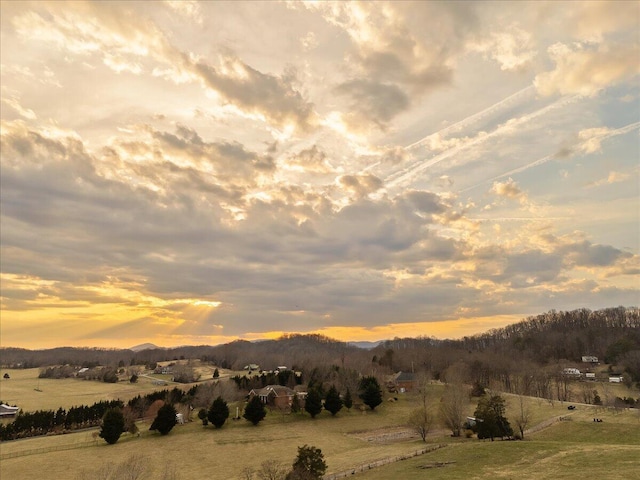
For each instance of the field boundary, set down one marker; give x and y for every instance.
(548, 423)
(54, 448)
(363, 467)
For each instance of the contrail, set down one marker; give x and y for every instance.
(545, 159)
(412, 171)
(465, 122)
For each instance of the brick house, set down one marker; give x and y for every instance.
(276, 396)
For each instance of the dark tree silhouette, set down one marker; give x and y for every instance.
(333, 402)
(218, 412)
(165, 419)
(490, 419)
(202, 415)
(254, 411)
(112, 425)
(348, 401)
(313, 403)
(309, 464)
(370, 392)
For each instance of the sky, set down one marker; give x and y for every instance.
(189, 173)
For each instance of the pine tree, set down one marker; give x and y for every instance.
(165, 419)
(254, 411)
(370, 392)
(309, 464)
(112, 425)
(490, 419)
(333, 402)
(313, 402)
(218, 413)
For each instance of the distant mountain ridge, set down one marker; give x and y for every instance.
(543, 341)
(144, 346)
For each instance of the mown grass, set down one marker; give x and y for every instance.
(570, 449)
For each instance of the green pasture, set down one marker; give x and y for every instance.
(570, 449)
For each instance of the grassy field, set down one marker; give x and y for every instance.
(351, 439)
(572, 449)
(29, 392)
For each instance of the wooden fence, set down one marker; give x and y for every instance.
(378, 463)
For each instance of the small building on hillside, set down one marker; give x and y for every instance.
(589, 359)
(613, 378)
(590, 376)
(571, 372)
(8, 410)
(276, 396)
(403, 382)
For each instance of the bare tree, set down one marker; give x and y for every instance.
(454, 400)
(523, 416)
(421, 421)
(134, 467)
(272, 470)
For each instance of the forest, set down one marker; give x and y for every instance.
(523, 357)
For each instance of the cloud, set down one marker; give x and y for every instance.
(360, 185)
(582, 69)
(388, 49)
(613, 177)
(271, 96)
(127, 43)
(512, 48)
(372, 102)
(508, 189)
(310, 160)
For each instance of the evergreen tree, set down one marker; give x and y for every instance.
(202, 415)
(295, 404)
(309, 464)
(218, 413)
(333, 402)
(254, 411)
(216, 373)
(490, 419)
(370, 392)
(313, 402)
(112, 425)
(165, 419)
(348, 401)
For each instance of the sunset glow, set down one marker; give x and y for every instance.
(199, 172)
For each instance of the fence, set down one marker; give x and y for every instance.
(53, 448)
(378, 463)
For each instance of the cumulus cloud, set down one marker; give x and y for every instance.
(513, 48)
(312, 160)
(584, 70)
(509, 189)
(271, 96)
(360, 185)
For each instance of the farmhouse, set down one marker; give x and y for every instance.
(8, 411)
(571, 372)
(615, 378)
(402, 382)
(276, 396)
(589, 359)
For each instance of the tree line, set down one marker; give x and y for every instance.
(41, 422)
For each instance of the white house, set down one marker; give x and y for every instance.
(589, 359)
(8, 410)
(571, 371)
(615, 379)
